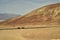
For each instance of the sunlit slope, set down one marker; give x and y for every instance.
(47, 15)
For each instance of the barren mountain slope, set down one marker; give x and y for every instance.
(47, 15)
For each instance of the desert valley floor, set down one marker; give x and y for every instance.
(30, 34)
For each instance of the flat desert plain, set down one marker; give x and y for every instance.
(31, 34)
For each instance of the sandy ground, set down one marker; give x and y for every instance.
(31, 34)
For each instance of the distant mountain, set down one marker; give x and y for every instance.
(7, 16)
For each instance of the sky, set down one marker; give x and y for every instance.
(22, 7)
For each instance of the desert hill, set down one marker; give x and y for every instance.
(47, 15)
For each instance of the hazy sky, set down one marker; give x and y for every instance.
(22, 6)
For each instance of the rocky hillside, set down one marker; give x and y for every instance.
(47, 15)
